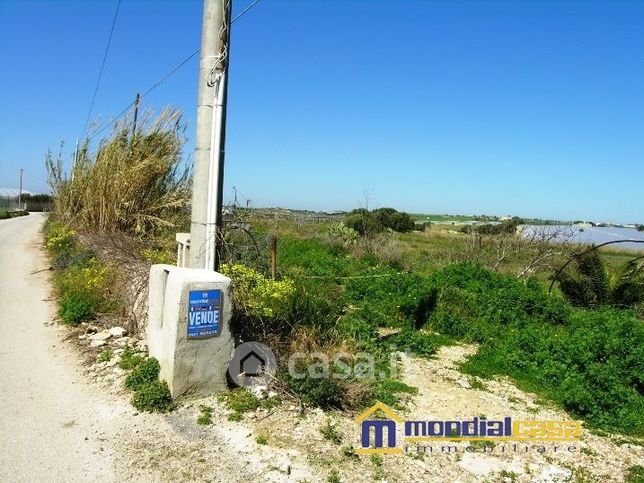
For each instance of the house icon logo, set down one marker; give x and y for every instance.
(378, 435)
(251, 363)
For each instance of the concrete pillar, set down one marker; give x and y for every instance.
(188, 328)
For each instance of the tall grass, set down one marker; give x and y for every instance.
(130, 183)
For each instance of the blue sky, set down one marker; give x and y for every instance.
(523, 107)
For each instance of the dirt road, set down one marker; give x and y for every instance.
(58, 424)
(48, 419)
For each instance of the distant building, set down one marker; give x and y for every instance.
(9, 198)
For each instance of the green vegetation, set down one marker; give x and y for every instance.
(586, 361)
(349, 452)
(334, 477)
(205, 418)
(635, 474)
(157, 255)
(367, 222)
(4, 214)
(261, 439)
(105, 356)
(153, 397)
(331, 433)
(130, 359)
(150, 394)
(241, 400)
(589, 361)
(83, 283)
(481, 444)
(589, 284)
(144, 373)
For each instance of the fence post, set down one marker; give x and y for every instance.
(274, 256)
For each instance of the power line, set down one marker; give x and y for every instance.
(100, 73)
(164, 78)
(245, 10)
(161, 80)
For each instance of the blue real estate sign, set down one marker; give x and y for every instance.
(204, 311)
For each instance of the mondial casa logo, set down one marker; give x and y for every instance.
(380, 435)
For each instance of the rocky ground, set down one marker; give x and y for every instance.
(174, 447)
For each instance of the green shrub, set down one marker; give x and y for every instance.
(418, 343)
(257, 295)
(320, 392)
(153, 397)
(334, 477)
(4, 214)
(85, 290)
(368, 223)
(146, 372)
(591, 362)
(130, 359)
(345, 235)
(588, 283)
(74, 308)
(59, 237)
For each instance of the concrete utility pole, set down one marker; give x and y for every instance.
(207, 190)
(136, 113)
(20, 191)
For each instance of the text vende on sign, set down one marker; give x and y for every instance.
(204, 310)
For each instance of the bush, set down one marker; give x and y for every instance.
(394, 220)
(145, 373)
(153, 397)
(85, 290)
(59, 238)
(257, 295)
(345, 235)
(368, 223)
(320, 392)
(591, 362)
(74, 309)
(4, 214)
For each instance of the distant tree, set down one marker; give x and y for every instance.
(37, 198)
(368, 222)
(363, 221)
(396, 220)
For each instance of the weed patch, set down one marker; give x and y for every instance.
(241, 400)
(145, 373)
(153, 397)
(205, 418)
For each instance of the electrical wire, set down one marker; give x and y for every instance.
(164, 78)
(244, 11)
(100, 73)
